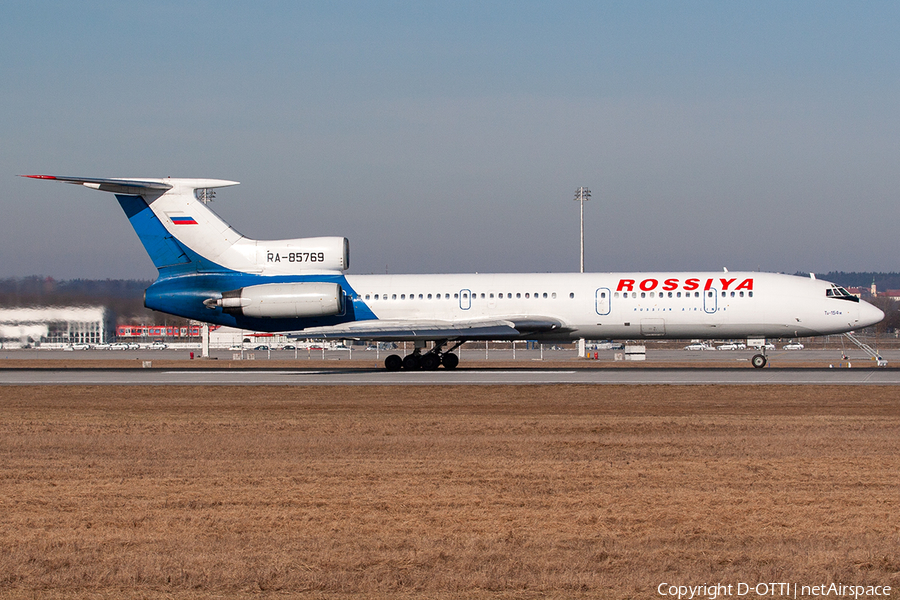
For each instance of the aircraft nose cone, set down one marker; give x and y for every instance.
(869, 315)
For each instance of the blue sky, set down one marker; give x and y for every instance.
(450, 137)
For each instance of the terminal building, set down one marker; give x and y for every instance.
(25, 327)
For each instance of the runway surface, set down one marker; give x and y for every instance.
(468, 376)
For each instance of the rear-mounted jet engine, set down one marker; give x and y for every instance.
(282, 300)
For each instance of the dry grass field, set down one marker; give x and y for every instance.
(450, 492)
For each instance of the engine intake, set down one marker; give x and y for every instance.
(282, 300)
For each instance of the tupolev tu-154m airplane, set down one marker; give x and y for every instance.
(209, 272)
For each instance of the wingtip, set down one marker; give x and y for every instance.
(38, 176)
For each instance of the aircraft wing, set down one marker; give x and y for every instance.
(387, 330)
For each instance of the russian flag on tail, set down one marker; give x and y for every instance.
(183, 221)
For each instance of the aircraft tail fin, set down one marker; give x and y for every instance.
(157, 208)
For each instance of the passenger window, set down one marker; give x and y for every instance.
(742, 294)
(420, 297)
(678, 294)
(376, 296)
(429, 296)
(616, 295)
(670, 294)
(571, 294)
(367, 296)
(393, 296)
(518, 295)
(403, 296)
(732, 294)
(603, 294)
(643, 294)
(750, 294)
(724, 294)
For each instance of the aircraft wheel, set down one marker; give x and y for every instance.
(430, 362)
(393, 363)
(450, 360)
(758, 361)
(411, 362)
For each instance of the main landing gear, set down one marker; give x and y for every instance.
(428, 361)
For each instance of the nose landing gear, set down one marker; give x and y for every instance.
(759, 361)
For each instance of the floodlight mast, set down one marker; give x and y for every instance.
(582, 194)
(205, 195)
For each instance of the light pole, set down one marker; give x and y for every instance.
(582, 194)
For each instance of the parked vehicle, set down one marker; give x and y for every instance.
(793, 346)
(697, 347)
(727, 347)
(768, 346)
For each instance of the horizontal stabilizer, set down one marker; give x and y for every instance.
(117, 186)
(138, 187)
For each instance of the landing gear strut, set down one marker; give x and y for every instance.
(429, 361)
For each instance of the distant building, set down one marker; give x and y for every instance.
(56, 325)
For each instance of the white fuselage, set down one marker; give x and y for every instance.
(623, 305)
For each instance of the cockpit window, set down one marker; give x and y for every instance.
(836, 291)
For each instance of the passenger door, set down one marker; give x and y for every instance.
(601, 301)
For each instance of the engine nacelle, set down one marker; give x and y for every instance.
(283, 300)
(305, 254)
